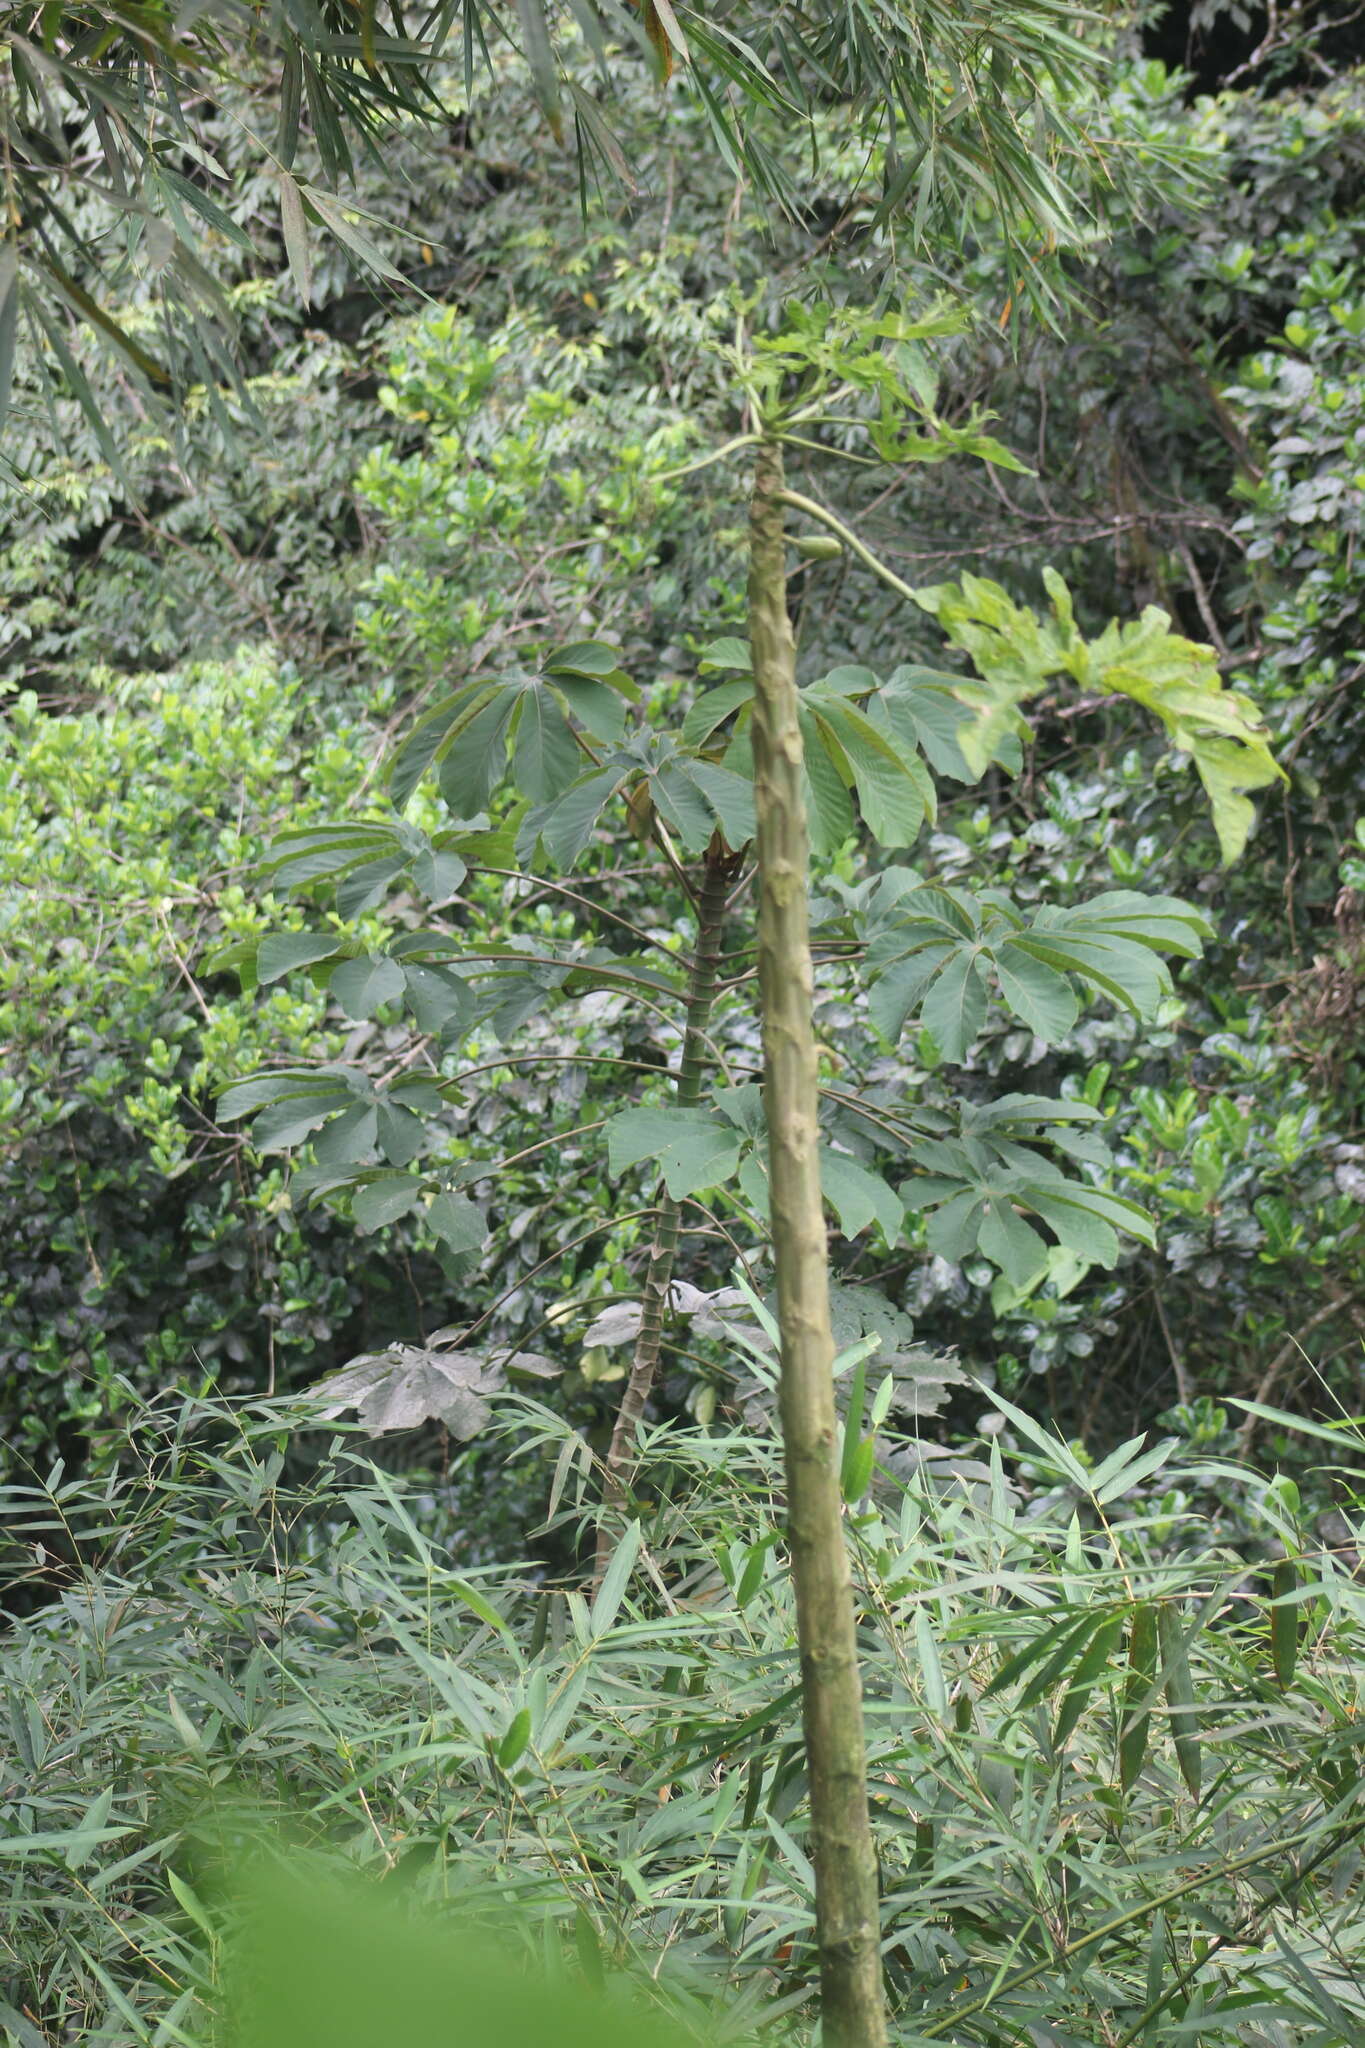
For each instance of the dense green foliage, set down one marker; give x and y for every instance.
(1171, 434)
(291, 1077)
(1079, 1834)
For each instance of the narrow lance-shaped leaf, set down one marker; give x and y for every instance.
(1136, 1721)
(1180, 1696)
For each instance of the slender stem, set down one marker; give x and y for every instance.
(668, 476)
(718, 878)
(853, 2012)
(545, 883)
(813, 510)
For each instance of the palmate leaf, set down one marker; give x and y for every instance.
(859, 1196)
(1017, 654)
(862, 738)
(364, 860)
(990, 1189)
(530, 725)
(339, 1108)
(894, 789)
(934, 952)
(921, 708)
(407, 1385)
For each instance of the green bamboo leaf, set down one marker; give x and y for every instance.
(1086, 1678)
(540, 58)
(1285, 1617)
(192, 1904)
(1180, 1695)
(1044, 1643)
(930, 1667)
(24, 2032)
(9, 321)
(851, 1462)
(295, 224)
(612, 1591)
(515, 1742)
(1136, 1721)
(333, 215)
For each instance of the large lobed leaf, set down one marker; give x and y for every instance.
(936, 953)
(1017, 654)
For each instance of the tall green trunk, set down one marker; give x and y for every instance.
(718, 877)
(844, 1854)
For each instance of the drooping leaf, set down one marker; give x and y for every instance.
(1285, 1621)
(858, 1196)
(458, 1222)
(408, 1385)
(1016, 655)
(1136, 1720)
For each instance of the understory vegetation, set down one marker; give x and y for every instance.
(395, 1336)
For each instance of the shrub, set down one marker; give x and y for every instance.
(143, 1247)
